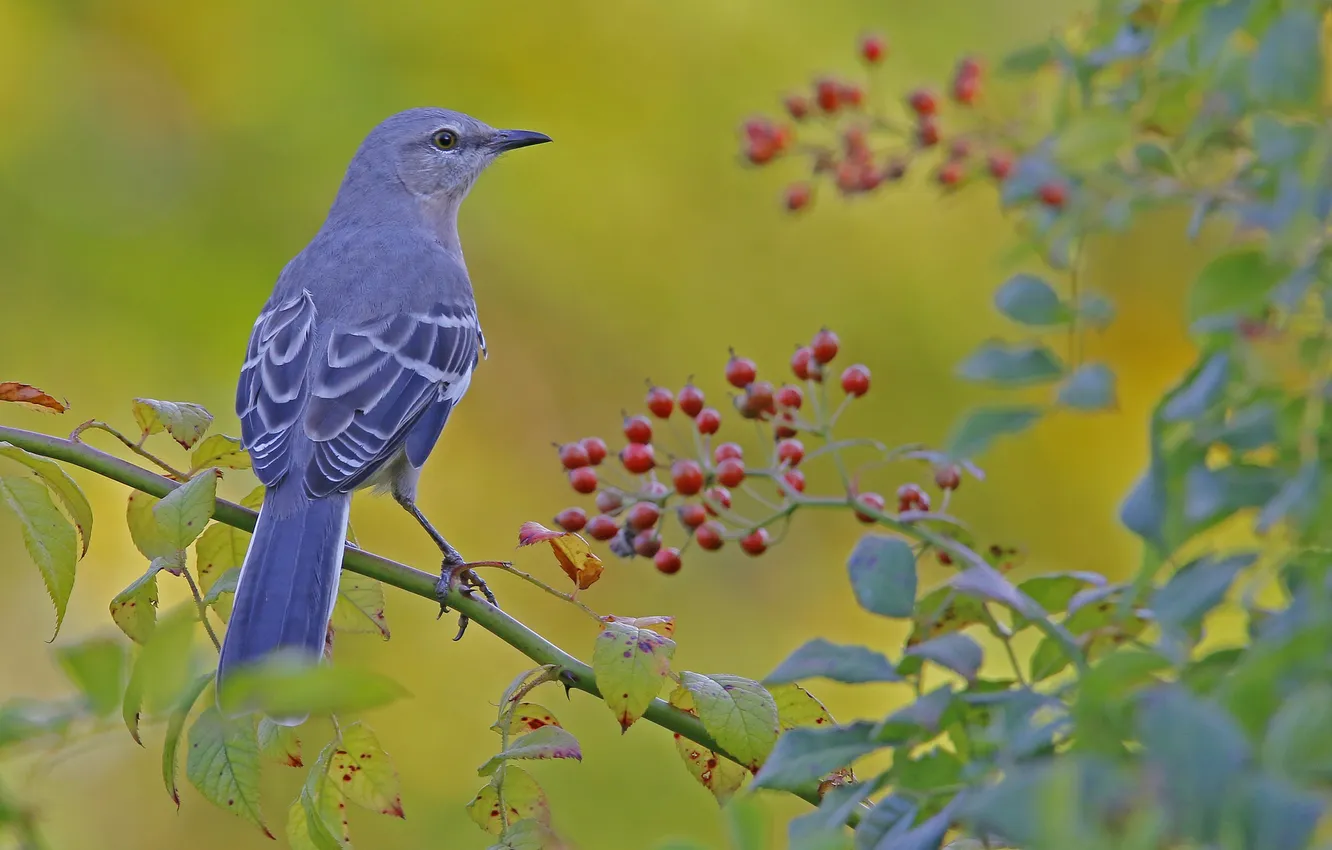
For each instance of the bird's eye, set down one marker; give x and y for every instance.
(445, 140)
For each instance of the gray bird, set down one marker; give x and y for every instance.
(365, 347)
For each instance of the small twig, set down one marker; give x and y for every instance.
(203, 608)
(137, 448)
(531, 579)
(1013, 659)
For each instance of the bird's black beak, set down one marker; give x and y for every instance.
(508, 140)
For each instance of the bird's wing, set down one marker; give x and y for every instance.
(376, 380)
(273, 387)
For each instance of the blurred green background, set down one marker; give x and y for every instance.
(160, 163)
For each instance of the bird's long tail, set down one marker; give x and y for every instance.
(288, 583)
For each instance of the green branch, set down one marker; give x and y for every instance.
(576, 674)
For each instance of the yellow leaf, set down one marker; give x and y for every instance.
(528, 717)
(219, 549)
(719, 775)
(798, 707)
(185, 422)
(221, 451)
(364, 773)
(664, 626)
(571, 550)
(523, 798)
(359, 608)
(144, 531)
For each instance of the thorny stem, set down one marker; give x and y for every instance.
(203, 609)
(576, 674)
(136, 447)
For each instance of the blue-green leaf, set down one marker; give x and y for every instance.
(807, 754)
(1287, 69)
(1091, 387)
(981, 427)
(883, 575)
(1013, 365)
(821, 658)
(1027, 299)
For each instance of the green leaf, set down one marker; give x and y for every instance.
(737, 712)
(48, 536)
(279, 743)
(185, 511)
(1027, 60)
(1029, 300)
(747, 824)
(219, 550)
(1049, 658)
(134, 609)
(883, 575)
(982, 426)
(223, 764)
(162, 668)
(1011, 364)
(798, 707)
(1234, 285)
(630, 665)
(360, 606)
(53, 475)
(175, 726)
(807, 754)
(548, 742)
(957, 652)
(1092, 138)
(1298, 745)
(1287, 69)
(721, 776)
(820, 658)
(289, 686)
(24, 719)
(144, 530)
(97, 668)
(1196, 588)
(185, 422)
(529, 834)
(364, 773)
(219, 451)
(523, 798)
(1054, 591)
(1095, 311)
(1091, 387)
(318, 818)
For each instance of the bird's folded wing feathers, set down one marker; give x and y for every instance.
(361, 395)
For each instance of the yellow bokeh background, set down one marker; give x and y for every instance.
(160, 163)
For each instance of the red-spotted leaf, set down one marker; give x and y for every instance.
(148, 537)
(798, 707)
(318, 818)
(184, 512)
(527, 717)
(630, 664)
(721, 776)
(738, 712)
(364, 773)
(185, 422)
(223, 764)
(571, 550)
(548, 742)
(220, 451)
(360, 606)
(219, 550)
(279, 743)
(523, 798)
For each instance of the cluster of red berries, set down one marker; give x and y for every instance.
(854, 165)
(628, 516)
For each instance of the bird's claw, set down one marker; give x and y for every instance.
(455, 570)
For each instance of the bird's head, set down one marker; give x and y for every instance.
(436, 153)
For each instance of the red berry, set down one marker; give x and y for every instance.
(638, 458)
(692, 515)
(655, 491)
(959, 149)
(583, 479)
(927, 132)
(969, 66)
(923, 102)
(795, 479)
(911, 497)
(643, 515)
(731, 472)
(947, 478)
(571, 519)
(708, 420)
(965, 89)
(790, 452)
(660, 402)
(856, 380)
(1052, 194)
(797, 196)
(759, 396)
(872, 48)
(873, 501)
(756, 543)
(637, 429)
(716, 496)
(824, 346)
(608, 501)
(895, 169)
(784, 426)
(797, 106)
(949, 174)
(574, 455)
(667, 561)
(595, 448)
(727, 450)
(790, 396)
(851, 94)
(740, 371)
(602, 527)
(687, 476)
(804, 366)
(1000, 165)
(945, 558)
(690, 400)
(647, 543)
(828, 93)
(709, 536)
